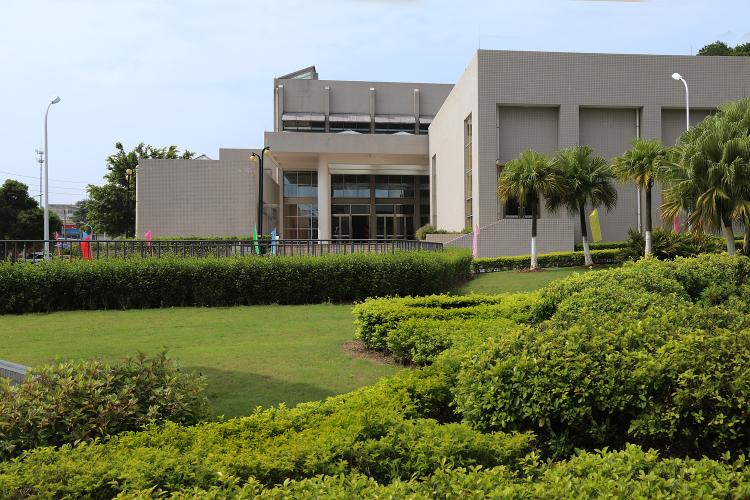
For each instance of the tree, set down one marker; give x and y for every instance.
(81, 213)
(586, 179)
(642, 164)
(528, 179)
(722, 49)
(716, 49)
(710, 175)
(111, 207)
(20, 215)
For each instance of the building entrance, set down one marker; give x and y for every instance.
(361, 227)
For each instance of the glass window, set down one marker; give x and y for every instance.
(467, 173)
(303, 126)
(392, 128)
(423, 128)
(394, 186)
(301, 221)
(300, 184)
(350, 186)
(361, 127)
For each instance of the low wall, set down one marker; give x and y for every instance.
(509, 237)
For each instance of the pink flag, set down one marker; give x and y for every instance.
(475, 242)
(147, 235)
(676, 225)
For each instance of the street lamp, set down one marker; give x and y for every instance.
(53, 100)
(129, 173)
(679, 77)
(259, 159)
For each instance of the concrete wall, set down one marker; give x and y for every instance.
(447, 148)
(577, 84)
(513, 237)
(352, 97)
(202, 197)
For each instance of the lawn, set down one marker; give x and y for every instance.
(515, 281)
(259, 355)
(251, 356)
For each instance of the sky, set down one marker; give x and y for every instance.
(199, 74)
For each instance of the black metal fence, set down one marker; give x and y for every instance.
(33, 250)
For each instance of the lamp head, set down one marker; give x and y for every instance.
(253, 157)
(54, 99)
(677, 76)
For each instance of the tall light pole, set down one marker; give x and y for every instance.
(53, 100)
(129, 174)
(679, 77)
(259, 159)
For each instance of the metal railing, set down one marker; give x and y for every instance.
(33, 250)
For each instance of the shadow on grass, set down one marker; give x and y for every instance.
(237, 393)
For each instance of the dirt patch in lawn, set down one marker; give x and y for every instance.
(358, 350)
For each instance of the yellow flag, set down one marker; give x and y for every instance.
(596, 230)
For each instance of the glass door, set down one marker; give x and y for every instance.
(341, 227)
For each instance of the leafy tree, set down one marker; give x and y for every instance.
(111, 207)
(716, 49)
(81, 213)
(587, 179)
(710, 178)
(642, 164)
(20, 215)
(528, 179)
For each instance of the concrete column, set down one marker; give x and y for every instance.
(324, 199)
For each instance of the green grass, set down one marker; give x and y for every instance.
(259, 355)
(251, 356)
(515, 281)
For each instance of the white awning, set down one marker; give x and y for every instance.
(349, 118)
(304, 117)
(425, 119)
(395, 119)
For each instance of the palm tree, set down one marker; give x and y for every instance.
(527, 179)
(586, 179)
(710, 176)
(643, 163)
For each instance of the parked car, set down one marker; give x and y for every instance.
(35, 257)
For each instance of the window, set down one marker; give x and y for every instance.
(300, 184)
(301, 221)
(512, 209)
(423, 182)
(350, 186)
(467, 174)
(303, 122)
(394, 186)
(423, 128)
(361, 127)
(392, 128)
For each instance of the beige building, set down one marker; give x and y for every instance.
(379, 159)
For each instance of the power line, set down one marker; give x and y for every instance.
(37, 177)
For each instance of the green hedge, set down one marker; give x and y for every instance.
(167, 282)
(655, 353)
(556, 259)
(376, 318)
(602, 245)
(421, 340)
(80, 401)
(630, 473)
(375, 431)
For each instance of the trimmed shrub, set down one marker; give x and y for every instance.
(228, 281)
(422, 232)
(631, 473)
(668, 245)
(81, 401)
(626, 356)
(602, 245)
(557, 259)
(375, 318)
(421, 340)
(373, 431)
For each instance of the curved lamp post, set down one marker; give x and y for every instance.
(259, 159)
(53, 100)
(679, 77)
